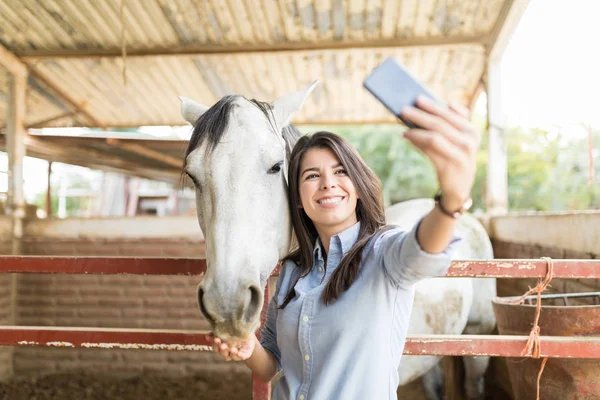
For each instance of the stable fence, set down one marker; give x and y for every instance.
(147, 339)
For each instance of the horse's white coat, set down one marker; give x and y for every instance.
(242, 210)
(244, 215)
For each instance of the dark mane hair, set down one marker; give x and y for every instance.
(369, 212)
(211, 125)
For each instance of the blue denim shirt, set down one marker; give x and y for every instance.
(350, 349)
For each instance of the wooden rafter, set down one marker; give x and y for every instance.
(508, 19)
(506, 24)
(19, 67)
(95, 159)
(12, 63)
(283, 46)
(45, 122)
(79, 106)
(145, 151)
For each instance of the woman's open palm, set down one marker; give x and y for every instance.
(237, 351)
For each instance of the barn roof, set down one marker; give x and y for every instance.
(82, 72)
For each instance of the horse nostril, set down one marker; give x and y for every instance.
(255, 303)
(202, 308)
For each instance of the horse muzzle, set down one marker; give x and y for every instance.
(232, 315)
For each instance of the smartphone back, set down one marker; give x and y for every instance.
(393, 86)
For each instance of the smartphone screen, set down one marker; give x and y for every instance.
(393, 86)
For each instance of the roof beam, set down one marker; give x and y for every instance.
(18, 67)
(146, 152)
(505, 26)
(79, 106)
(283, 46)
(12, 63)
(44, 122)
(92, 158)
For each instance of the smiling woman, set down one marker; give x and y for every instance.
(328, 176)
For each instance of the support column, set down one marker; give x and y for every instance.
(15, 147)
(15, 204)
(497, 173)
(497, 168)
(15, 141)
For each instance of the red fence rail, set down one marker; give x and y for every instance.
(442, 345)
(505, 268)
(148, 339)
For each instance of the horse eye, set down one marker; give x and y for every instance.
(275, 168)
(193, 180)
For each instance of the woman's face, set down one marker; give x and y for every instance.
(327, 194)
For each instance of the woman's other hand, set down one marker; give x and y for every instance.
(447, 137)
(236, 351)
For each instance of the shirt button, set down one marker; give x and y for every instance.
(305, 318)
(301, 397)
(320, 269)
(307, 357)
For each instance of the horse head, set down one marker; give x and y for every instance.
(237, 158)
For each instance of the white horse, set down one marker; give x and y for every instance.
(237, 158)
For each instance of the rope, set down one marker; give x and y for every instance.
(544, 360)
(533, 346)
(123, 41)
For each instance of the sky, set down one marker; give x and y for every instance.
(550, 77)
(551, 67)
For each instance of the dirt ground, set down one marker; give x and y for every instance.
(208, 385)
(88, 386)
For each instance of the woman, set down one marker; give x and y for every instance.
(338, 320)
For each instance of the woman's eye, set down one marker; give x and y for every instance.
(275, 168)
(341, 172)
(311, 176)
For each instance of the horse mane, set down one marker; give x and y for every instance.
(212, 125)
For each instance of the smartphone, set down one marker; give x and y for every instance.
(393, 86)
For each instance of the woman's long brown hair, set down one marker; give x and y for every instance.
(369, 212)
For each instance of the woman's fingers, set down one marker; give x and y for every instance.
(437, 147)
(224, 351)
(229, 351)
(462, 111)
(457, 118)
(435, 123)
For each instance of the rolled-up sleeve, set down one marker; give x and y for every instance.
(268, 335)
(405, 262)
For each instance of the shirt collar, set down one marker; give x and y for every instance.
(347, 238)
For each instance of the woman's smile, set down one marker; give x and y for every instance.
(330, 201)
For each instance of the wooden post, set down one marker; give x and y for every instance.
(16, 153)
(497, 173)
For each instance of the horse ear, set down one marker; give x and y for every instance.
(286, 106)
(190, 110)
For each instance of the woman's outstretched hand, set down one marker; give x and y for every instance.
(237, 351)
(450, 141)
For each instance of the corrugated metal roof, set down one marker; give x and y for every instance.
(205, 49)
(261, 49)
(93, 24)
